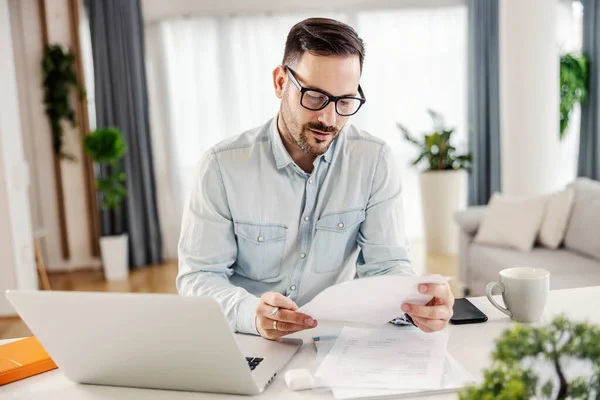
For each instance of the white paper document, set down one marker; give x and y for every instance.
(374, 300)
(385, 359)
(455, 378)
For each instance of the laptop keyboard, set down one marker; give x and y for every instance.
(253, 362)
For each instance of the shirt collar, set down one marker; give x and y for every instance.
(282, 157)
(329, 153)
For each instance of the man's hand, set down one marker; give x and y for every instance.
(285, 321)
(433, 316)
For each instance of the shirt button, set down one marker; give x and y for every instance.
(340, 225)
(303, 255)
(306, 218)
(309, 181)
(293, 287)
(260, 239)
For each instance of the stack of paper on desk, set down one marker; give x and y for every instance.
(455, 378)
(385, 358)
(374, 300)
(381, 363)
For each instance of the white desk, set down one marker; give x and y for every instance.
(471, 345)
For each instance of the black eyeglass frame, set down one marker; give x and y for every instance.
(330, 98)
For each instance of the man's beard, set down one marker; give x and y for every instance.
(303, 139)
(301, 134)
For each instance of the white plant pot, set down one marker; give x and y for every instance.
(443, 193)
(115, 257)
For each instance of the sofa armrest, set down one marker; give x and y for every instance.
(470, 219)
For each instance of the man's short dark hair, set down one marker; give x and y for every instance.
(322, 37)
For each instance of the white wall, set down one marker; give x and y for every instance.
(155, 10)
(38, 142)
(17, 267)
(529, 95)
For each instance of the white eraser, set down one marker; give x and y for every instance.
(299, 379)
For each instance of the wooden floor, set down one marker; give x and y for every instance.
(153, 279)
(161, 279)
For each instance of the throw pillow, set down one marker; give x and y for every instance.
(556, 218)
(582, 233)
(512, 221)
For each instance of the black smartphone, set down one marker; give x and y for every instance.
(466, 313)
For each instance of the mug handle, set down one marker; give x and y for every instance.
(488, 292)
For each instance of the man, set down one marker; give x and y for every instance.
(303, 202)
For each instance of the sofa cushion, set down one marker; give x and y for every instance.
(512, 221)
(567, 269)
(582, 233)
(556, 218)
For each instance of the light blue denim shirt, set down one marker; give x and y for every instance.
(255, 222)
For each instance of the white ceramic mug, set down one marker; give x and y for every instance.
(524, 291)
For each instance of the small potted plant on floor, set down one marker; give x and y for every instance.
(443, 184)
(106, 147)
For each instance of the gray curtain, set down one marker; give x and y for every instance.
(589, 142)
(483, 99)
(117, 36)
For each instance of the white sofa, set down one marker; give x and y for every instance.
(576, 263)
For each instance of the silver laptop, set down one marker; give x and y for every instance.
(159, 341)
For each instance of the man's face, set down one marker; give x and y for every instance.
(313, 131)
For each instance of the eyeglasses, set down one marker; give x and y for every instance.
(315, 99)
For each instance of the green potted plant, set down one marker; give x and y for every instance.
(106, 147)
(542, 362)
(573, 86)
(443, 184)
(58, 81)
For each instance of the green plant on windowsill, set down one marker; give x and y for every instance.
(106, 147)
(58, 81)
(435, 149)
(520, 349)
(573, 86)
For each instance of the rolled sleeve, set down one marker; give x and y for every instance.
(246, 321)
(382, 238)
(207, 248)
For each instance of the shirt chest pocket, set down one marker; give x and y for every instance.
(260, 250)
(335, 239)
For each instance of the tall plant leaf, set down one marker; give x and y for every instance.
(573, 86)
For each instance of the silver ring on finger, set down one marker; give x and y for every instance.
(275, 324)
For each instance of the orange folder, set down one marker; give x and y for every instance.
(22, 359)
